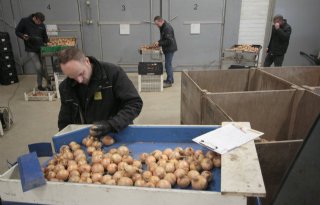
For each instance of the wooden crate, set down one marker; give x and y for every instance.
(40, 95)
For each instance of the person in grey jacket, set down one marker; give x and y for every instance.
(34, 34)
(169, 46)
(279, 42)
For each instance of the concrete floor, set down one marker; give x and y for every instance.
(37, 121)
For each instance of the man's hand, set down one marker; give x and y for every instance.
(156, 44)
(100, 129)
(25, 37)
(276, 26)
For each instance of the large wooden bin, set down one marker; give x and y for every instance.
(307, 77)
(196, 84)
(284, 116)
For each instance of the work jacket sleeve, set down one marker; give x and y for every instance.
(65, 114)
(167, 38)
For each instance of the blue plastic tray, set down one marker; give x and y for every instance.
(141, 139)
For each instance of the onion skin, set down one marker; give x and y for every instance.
(163, 184)
(74, 173)
(150, 185)
(105, 162)
(125, 181)
(188, 151)
(180, 173)
(146, 176)
(206, 164)
(150, 159)
(154, 179)
(168, 152)
(74, 179)
(193, 174)
(137, 163)
(90, 150)
(157, 154)
(159, 172)
(195, 165)
(170, 177)
(96, 177)
(140, 183)
(111, 182)
(116, 158)
(108, 140)
(113, 151)
(183, 165)
(216, 161)
(105, 178)
(143, 157)
(210, 154)
(62, 174)
(118, 175)
(128, 159)
(123, 150)
(85, 168)
(200, 183)
(183, 182)
(97, 168)
(208, 175)
(112, 168)
(169, 167)
(135, 177)
(72, 167)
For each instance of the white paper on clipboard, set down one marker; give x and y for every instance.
(226, 138)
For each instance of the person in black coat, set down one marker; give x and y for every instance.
(279, 42)
(97, 93)
(34, 34)
(169, 46)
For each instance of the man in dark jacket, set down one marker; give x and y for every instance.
(169, 46)
(279, 42)
(34, 34)
(96, 92)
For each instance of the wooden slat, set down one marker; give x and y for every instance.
(274, 165)
(241, 173)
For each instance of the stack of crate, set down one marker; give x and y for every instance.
(8, 73)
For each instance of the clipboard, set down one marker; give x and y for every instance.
(227, 138)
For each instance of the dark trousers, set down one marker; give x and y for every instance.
(168, 66)
(276, 59)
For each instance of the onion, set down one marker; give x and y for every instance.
(62, 174)
(140, 183)
(71, 162)
(90, 150)
(159, 172)
(86, 180)
(162, 163)
(80, 157)
(113, 151)
(97, 152)
(50, 175)
(130, 170)
(97, 182)
(97, 168)
(188, 151)
(170, 177)
(105, 178)
(217, 161)
(137, 164)
(208, 175)
(195, 165)
(58, 167)
(74, 173)
(206, 164)
(87, 141)
(183, 165)
(168, 152)
(157, 154)
(64, 162)
(150, 159)
(118, 175)
(152, 166)
(105, 162)
(199, 183)
(146, 175)
(96, 177)
(125, 181)
(73, 143)
(82, 162)
(85, 168)
(78, 151)
(136, 176)
(193, 174)
(96, 158)
(52, 162)
(116, 158)
(183, 182)
(189, 159)
(154, 179)
(198, 155)
(50, 167)
(112, 168)
(169, 167)
(175, 155)
(123, 150)
(128, 159)
(143, 157)
(107, 155)
(163, 184)
(74, 179)
(97, 144)
(121, 166)
(174, 161)
(85, 175)
(75, 147)
(68, 155)
(111, 182)
(150, 185)
(72, 167)
(64, 148)
(178, 149)
(164, 157)
(107, 140)
(210, 154)
(54, 180)
(180, 173)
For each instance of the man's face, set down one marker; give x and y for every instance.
(37, 21)
(80, 71)
(279, 21)
(159, 23)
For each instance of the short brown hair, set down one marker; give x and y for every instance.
(158, 18)
(278, 17)
(40, 16)
(70, 54)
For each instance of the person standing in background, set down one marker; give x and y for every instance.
(169, 46)
(279, 42)
(34, 34)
